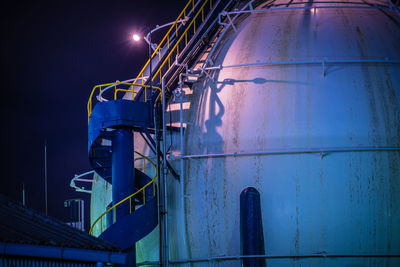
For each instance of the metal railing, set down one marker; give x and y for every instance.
(174, 51)
(128, 198)
(173, 42)
(130, 89)
(140, 76)
(79, 178)
(166, 38)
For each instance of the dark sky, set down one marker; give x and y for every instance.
(52, 54)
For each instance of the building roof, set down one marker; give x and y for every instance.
(20, 225)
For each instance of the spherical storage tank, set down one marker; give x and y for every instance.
(313, 126)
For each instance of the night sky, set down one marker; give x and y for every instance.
(52, 55)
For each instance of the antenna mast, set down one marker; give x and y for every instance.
(45, 173)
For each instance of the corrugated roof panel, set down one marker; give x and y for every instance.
(25, 226)
(40, 262)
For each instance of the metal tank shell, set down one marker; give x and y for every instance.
(315, 130)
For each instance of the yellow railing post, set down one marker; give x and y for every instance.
(166, 37)
(176, 46)
(174, 25)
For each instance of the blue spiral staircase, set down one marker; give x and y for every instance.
(104, 122)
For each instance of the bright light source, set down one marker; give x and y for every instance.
(136, 37)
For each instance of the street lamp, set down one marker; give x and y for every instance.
(136, 37)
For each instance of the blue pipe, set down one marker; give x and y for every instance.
(251, 229)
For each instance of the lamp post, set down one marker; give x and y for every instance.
(136, 38)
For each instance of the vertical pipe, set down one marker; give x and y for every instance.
(150, 75)
(161, 191)
(251, 229)
(182, 171)
(123, 175)
(165, 172)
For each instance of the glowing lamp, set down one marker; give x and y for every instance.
(136, 37)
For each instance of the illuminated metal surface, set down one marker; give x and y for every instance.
(297, 79)
(342, 204)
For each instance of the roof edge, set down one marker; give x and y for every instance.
(62, 253)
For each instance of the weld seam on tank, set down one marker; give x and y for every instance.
(239, 257)
(387, 8)
(321, 151)
(298, 62)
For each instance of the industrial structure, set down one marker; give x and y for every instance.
(258, 133)
(28, 238)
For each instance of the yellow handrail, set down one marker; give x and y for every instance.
(180, 39)
(128, 197)
(158, 49)
(100, 86)
(134, 92)
(184, 34)
(166, 36)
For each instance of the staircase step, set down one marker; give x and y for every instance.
(133, 227)
(97, 147)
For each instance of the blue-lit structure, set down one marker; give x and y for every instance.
(114, 121)
(298, 102)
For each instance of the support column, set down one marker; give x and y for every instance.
(123, 175)
(123, 178)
